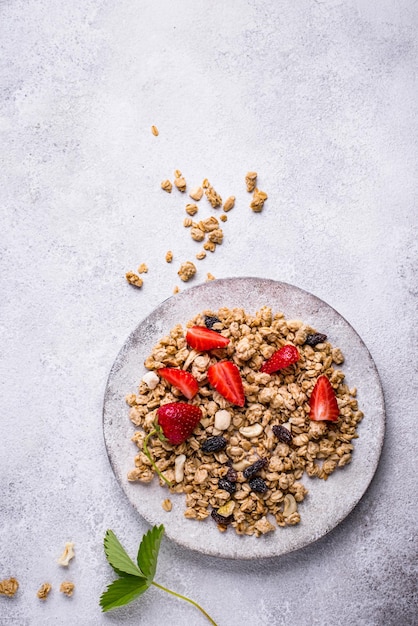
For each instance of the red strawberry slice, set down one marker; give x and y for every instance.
(280, 359)
(201, 338)
(184, 381)
(226, 379)
(178, 420)
(323, 402)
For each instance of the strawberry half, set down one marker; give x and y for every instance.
(201, 338)
(280, 359)
(184, 381)
(178, 420)
(226, 379)
(323, 402)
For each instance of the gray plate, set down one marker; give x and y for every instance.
(327, 503)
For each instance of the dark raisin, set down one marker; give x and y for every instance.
(257, 484)
(231, 475)
(283, 434)
(214, 444)
(210, 320)
(220, 519)
(312, 340)
(252, 470)
(227, 485)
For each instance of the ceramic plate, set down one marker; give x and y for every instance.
(328, 502)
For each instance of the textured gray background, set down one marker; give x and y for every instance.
(319, 98)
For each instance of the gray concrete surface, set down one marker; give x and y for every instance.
(320, 99)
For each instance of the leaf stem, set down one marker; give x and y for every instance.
(178, 595)
(148, 455)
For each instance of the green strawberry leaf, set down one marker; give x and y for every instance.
(122, 591)
(118, 558)
(148, 552)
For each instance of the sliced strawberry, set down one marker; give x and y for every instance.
(178, 420)
(201, 338)
(323, 402)
(280, 359)
(226, 379)
(184, 381)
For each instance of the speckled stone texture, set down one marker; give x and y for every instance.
(319, 97)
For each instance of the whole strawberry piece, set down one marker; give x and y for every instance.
(201, 338)
(184, 381)
(280, 359)
(226, 379)
(178, 421)
(323, 402)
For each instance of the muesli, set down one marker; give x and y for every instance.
(248, 404)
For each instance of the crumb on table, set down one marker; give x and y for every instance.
(43, 591)
(67, 588)
(8, 587)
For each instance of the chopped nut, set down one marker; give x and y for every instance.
(143, 268)
(229, 203)
(169, 256)
(179, 467)
(210, 246)
(154, 131)
(197, 234)
(200, 255)
(187, 222)
(223, 217)
(258, 200)
(133, 279)
(167, 186)
(167, 505)
(289, 505)
(210, 276)
(254, 430)
(8, 587)
(191, 209)
(43, 591)
(216, 236)
(213, 197)
(187, 271)
(222, 419)
(67, 588)
(196, 193)
(151, 380)
(67, 555)
(250, 180)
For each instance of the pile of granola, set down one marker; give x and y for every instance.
(272, 432)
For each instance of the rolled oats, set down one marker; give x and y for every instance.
(143, 268)
(277, 403)
(167, 505)
(229, 204)
(191, 209)
(43, 591)
(200, 255)
(154, 131)
(167, 185)
(169, 256)
(179, 181)
(133, 279)
(213, 197)
(251, 180)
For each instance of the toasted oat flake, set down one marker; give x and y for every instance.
(205, 183)
(133, 279)
(259, 198)
(143, 268)
(8, 587)
(213, 197)
(251, 180)
(44, 591)
(197, 234)
(210, 246)
(201, 255)
(216, 236)
(167, 185)
(169, 256)
(229, 203)
(67, 588)
(167, 505)
(210, 276)
(187, 271)
(154, 131)
(179, 181)
(187, 222)
(191, 209)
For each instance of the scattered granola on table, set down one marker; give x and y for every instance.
(154, 131)
(134, 279)
(143, 268)
(258, 200)
(67, 588)
(247, 406)
(167, 186)
(187, 271)
(44, 591)
(251, 180)
(8, 587)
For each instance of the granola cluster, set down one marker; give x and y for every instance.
(270, 441)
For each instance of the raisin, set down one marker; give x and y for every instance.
(214, 444)
(230, 487)
(257, 484)
(283, 434)
(312, 340)
(252, 470)
(231, 475)
(220, 519)
(210, 320)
